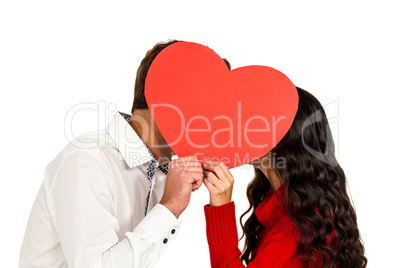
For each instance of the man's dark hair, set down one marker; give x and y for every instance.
(139, 86)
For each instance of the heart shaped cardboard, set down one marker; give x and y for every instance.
(203, 108)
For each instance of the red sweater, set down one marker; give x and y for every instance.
(276, 244)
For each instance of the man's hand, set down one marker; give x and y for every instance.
(184, 175)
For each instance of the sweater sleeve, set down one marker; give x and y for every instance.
(222, 236)
(223, 242)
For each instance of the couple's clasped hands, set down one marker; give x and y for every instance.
(186, 174)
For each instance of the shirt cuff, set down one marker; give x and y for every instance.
(221, 224)
(161, 225)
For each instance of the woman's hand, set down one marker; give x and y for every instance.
(220, 183)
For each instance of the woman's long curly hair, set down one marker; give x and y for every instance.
(316, 198)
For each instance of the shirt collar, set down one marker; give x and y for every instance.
(131, 147)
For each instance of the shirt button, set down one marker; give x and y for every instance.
(165, 241)
(173, 231)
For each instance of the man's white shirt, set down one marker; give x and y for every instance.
(90, 209)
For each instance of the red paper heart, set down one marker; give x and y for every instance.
(202, 108)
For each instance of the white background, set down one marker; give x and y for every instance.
(56, 54)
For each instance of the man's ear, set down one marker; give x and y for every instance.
(227, 63)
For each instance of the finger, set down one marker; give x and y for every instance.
(183, 164)
(191, 169)
(217, 169)
(198, 177)
(193, 177)
(209, 185)
(197, 184)
(212, 178)
(227, 172)
(187, 163)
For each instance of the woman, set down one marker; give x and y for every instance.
(301, 215)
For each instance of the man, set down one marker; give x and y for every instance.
(116, 204)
